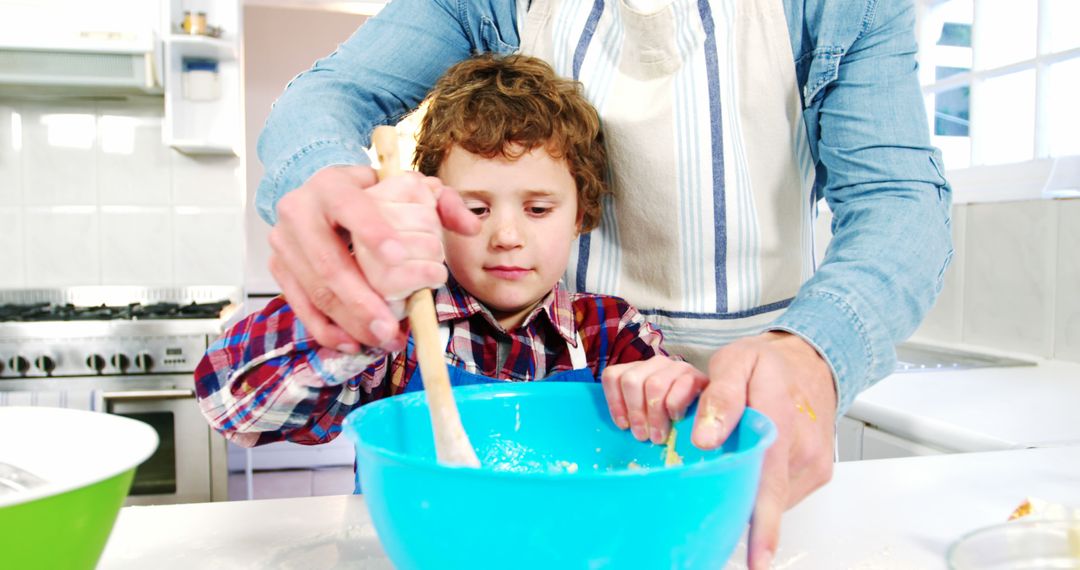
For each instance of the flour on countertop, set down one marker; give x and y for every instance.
(354, 547)
(783, 560)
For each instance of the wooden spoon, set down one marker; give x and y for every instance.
(452, 445)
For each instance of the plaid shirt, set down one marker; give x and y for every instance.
(267, 380)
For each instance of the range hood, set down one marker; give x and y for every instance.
(85, 66)
(80, 48)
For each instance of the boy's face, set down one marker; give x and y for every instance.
(529, 217)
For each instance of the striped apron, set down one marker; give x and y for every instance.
(709, 228)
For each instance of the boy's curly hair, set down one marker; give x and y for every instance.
(509, 105)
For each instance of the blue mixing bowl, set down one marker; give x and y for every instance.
(560, 488)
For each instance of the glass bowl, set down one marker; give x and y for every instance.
(1019, 545)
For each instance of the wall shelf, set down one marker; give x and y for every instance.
(196, 125)
(203, 47)
(200, 146)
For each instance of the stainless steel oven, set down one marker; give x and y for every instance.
(189, 464)
(125, 351)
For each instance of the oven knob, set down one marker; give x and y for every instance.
(95, 362)
(19, 364)
(45, 363)
(120, 361)
(143, 361)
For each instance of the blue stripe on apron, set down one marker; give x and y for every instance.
(716, 127)
(579, 56)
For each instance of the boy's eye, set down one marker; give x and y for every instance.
(538, 210)
(479, 210)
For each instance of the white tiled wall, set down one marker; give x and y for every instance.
(124, 180)
(61, 246)
(1067, 323)
(11, 255)
(10, 163)
(198, 237)
(1014, 284)
(59, 154)
(136, 243)
(89, 195)
(1009, 276)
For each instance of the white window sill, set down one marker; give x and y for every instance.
(1046, 178)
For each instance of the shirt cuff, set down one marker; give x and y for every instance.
(302, 165)
(830, 325)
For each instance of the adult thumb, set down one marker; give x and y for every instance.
(722, 403)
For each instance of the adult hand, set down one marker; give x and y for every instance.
(646, 396)
(783, 377)
(342, 300)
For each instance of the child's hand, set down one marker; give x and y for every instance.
(409, 204)
(648, 395)
(330, 289)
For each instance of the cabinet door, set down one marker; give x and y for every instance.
(849, 435)
(877, 444)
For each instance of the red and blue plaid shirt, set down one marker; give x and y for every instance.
(267, 380)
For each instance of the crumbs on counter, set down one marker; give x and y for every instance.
(1041, 509)
(1022, 511)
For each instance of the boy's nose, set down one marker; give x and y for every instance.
(507, 236)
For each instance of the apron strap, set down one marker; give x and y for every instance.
(577, 353)
(444, 335)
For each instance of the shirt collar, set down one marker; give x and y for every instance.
(452, 302)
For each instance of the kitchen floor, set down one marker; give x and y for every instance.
(287, 483)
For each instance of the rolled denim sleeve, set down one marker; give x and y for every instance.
(376, 77)
(883, 182)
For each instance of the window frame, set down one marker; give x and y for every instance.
(1043, 176)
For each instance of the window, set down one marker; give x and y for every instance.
(1002, 86)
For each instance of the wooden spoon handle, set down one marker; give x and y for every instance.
(452, 446)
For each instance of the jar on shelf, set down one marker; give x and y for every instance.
(200, 80)
(194, 23)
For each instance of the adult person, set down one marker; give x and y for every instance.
(726, 121)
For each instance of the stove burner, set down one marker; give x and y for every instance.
(131, 312)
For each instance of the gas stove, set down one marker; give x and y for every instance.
(35, 312)
(103, 331)
(129, 351)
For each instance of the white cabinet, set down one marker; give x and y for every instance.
(849, 435)
(856, 440)
(877, 444)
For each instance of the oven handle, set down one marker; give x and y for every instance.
(143, 395)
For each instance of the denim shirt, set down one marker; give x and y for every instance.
(864, 114)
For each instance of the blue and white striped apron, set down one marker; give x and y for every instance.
(709, 229)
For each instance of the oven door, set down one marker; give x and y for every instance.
(185, 467)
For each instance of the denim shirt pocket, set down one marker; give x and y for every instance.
(824, 69)
(491, 40)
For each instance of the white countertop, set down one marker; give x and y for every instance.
(980, 409)
(893, 513)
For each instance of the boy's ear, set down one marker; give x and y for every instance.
(580, 218)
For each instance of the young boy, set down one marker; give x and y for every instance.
(523, 147)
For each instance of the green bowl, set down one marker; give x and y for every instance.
(87, 461)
